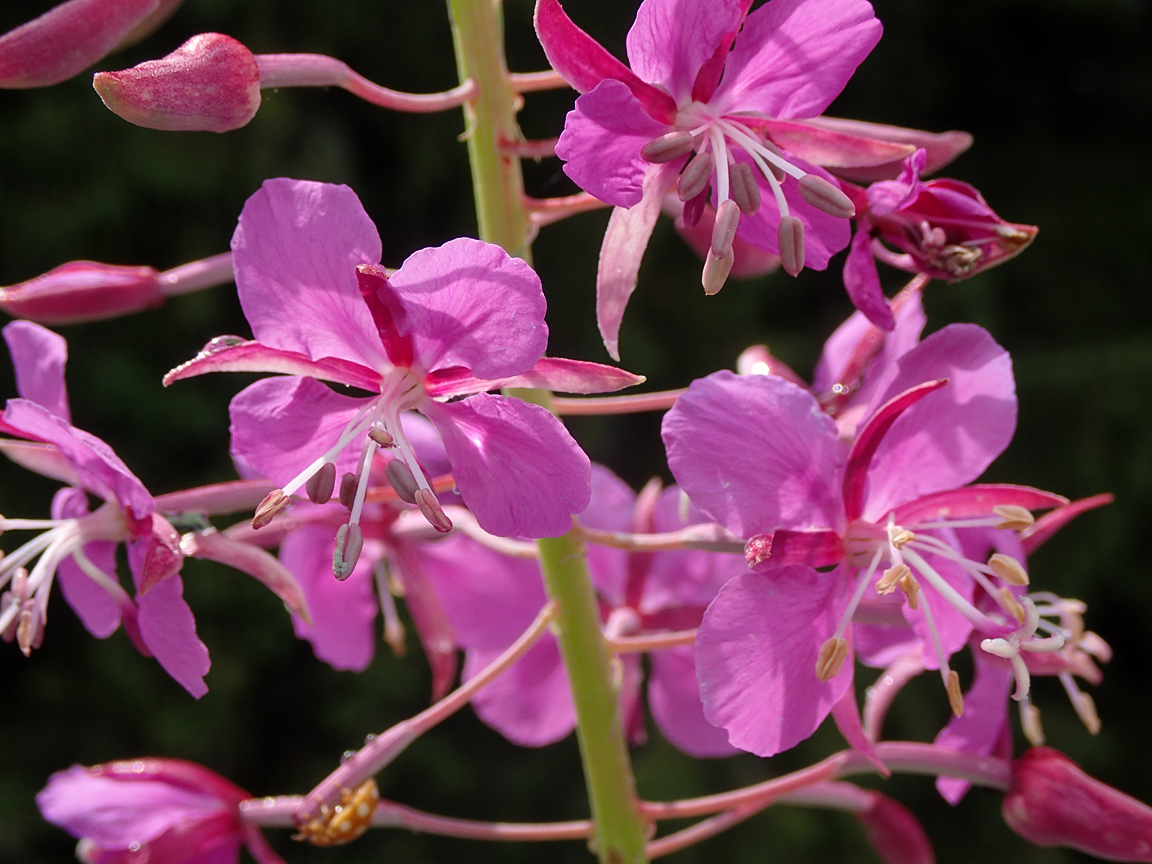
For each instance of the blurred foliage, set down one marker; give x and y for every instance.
(1057, 95)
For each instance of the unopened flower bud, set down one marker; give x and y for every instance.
(83, 291)
(210, 83)
(1052, 802)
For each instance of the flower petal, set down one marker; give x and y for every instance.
(38, 356)
(862, 282)
(674, 700)
(232, 354)
(531, 703)
(169, 631)
(672, 39)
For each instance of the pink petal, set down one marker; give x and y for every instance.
(295, 253)
(601, 144)
(531, 703)
(621, 253)
(471, 304)
(793, 57)
(44, 459)
(232, 354)
(862, 282)
(755, 453)
(671, 40)
(756, 656)
(169, 631)
(96, 608)
(515, 464)
(38, 357)
(674, 700)
(428, 615)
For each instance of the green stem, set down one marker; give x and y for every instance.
(503, 219)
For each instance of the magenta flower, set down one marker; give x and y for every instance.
(942, 228)
(78, 547)
(455, 321)
(164, 811)
(708, 79)
(758, 455)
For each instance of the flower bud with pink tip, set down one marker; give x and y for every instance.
(1052, 802)
(209, 84)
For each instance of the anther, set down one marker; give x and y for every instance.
(1030, 723)
(349, 543)
(825, 197)
(911, 589)
(695, 176)
(266, 510)
(831, 658)
(1086, 711)
(1008, 569)
(669, 146)
(716, 271)
(382, 438)
(320, 485)
(955, 697)
(887, 582)
(743, 188)
(724, 228)
(432, 511)
(790, 237)
(1014, 517)
(402, 480)
(348, 484)
(1012, 605)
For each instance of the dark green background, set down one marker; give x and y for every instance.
(1057, 95)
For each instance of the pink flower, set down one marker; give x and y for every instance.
(943, 228)
(164, 811)
(455, 321)
(1052, 802)
(707, 78)
(78, 546)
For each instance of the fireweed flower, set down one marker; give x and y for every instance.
(758, 455)
(164, 811)
(490, 598)
(455, 321)
(694, 112)
(942, 228)
(77, 546)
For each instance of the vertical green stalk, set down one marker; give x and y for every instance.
(497, 182)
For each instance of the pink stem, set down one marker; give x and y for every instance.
(705, 536)
(541, 149)
(649, 642)
(700, 831)
(206, 273)
(661, 400)
(545, 211)
(880, 695)
(528, 82)
(216, 498)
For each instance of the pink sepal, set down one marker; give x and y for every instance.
(549, 373)
(941, 147)
(1050, 523)
(975, 500)
(211, 545)
(846, 715)
(157, 554)
(233, 354)
(83, 291)
(816, 548)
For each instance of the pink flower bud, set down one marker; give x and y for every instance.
(83, 291)
(1053, 803)
(895, 834)
(72, 36)
(210, 84)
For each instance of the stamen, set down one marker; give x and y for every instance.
(348, 484)
(1008, 569)
(266, 511)
(320, 485)
(716, 271)
(887, 583)
(721, 160)
(900, 537)
(402, 480)
(955, 697)
(1084, 705)
(745, 192)
(825, 197)
(433, 512)
(382, 438)
(349, 543)
(831, 658)
(394, 633)
(790, 237)
(669, 146)
(695, 176)
(1030, 723)
(977, 618)
(1009, 602)
(724, 228)
(1014, 517)
(911, 589)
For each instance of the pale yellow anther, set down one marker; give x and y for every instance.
(901, 537)
(911, 589)
(1086, 710)
(1014, 517)
(831, 658)
(888, 581)
(1012, 605)
(1008, 569)
(266, 511)
(1030, 723)
(955, 697)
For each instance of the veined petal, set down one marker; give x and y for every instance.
(601, 144)
(38, 357)
(755, 453)
(471, 304)
(295, 253)
(674, 700)
(549, 373)
(531, 703)
(756, 654)
(672, 39)
(229, 354)
(793, 57)
(516, 466)
(622, 250)
(169, 631)
(280, 425)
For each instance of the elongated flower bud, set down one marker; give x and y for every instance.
(83, 291)
(1052, 802)
(209, 84)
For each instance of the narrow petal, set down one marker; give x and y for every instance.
(755, 453)
(515, 464)
(793, 57)
(295, 253)
(975, 500)
(672, 39)
(44, 459)
(38, 356)
(95, 607)
(428, 614)
(756, 656)
(674, 700)
(548, 373)
(601, 144)
(169, 631)
(471, 304)
(862, 282)
(621, 253)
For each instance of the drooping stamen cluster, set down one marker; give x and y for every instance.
(715, 141)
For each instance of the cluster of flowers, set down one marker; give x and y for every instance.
(852, 505)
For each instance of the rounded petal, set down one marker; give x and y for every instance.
(38, 356)
(471, 304)
(674, 699)
(755, 453)
(531, 703)
(295, 253)
(515, 464)
(672, 39)
(601, 144)
(793, 57)
(169, 631)
(984, 722)
(756, 654)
